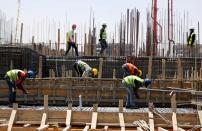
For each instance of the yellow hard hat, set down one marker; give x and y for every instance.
(95, 72)
(139, 72)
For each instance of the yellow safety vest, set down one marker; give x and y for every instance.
(13, 74)
(190, 39)
(69, 36)
(129, 80)
(104, 35)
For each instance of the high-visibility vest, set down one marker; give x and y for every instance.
(190, 38)
(129, 80)
(84, 66)
(103, 34)
(13, 74)
(70, 35)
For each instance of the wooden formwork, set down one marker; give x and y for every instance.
(106, 92)
(97, 119)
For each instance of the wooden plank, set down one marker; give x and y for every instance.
(121, 121)
(139, 129)
(106, 128)
(43, 125)
(68, 120)
(86, 128)
(114, 73)
(100, 67)
(151, 121)
(41, 128)
(11, 120)
(174, 120)
(121, 105)
(46, 103)
(94, 120)
(40, 66)
(68, 117)
(161, 129)
(163, 68)
(200, 117)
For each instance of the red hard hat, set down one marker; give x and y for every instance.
(74, 26)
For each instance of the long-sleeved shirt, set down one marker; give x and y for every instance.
(133, 81)
(18, 77)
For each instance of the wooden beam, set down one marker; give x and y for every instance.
(106, 128)
(163, 68)
(114, 73)
(11, 120)
(100, 67)
(174, 109)
(139, 129)
(121, 121)
(161, 129)
(68, 120)
(94, 116)
(45, 103)
(151, 121)
(43, 125)
(174, 120)
(94, 120)
(86, 128)
(121, 105)
(40, 66)
(200, 117)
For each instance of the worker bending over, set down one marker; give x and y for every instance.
(71, 40)
(84, 70)
(15, 78)
(132, 84)
(130, 69)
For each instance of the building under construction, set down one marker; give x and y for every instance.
(59, 100)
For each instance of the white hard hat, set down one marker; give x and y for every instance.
(191, 28)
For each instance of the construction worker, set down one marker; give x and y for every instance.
(15, 78)
(191, 38)
(130, 69)
(70, 37)
(132, 84)
(103, 38)
(84, 70)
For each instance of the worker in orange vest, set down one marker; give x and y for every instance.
(130, 69)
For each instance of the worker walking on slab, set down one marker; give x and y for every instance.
(103, 38)
(191, 38)
(70, 37)
(132, 84)
(15, 78)
(84, 70)
(130, 69)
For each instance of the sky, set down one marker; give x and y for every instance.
(67, 12)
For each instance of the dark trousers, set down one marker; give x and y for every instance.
(73, 45)
(12, 90)
(103, 45)
(78, 69)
